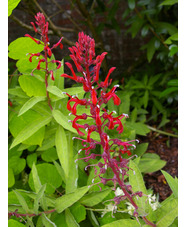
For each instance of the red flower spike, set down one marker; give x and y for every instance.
(35, 29)
(98, 120)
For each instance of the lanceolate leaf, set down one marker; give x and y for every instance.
(167, 213)
(30, 103)
(68, 200)
(173, 183)
(70, 220)
(62, 149)
(36, 180)
(38, 198)
(47, 222)
(30, 129)
(63, 120)
(22, 201)
(94, 198)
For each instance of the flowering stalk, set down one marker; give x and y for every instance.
(83, 56)
(42, 30)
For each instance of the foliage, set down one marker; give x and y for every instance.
(46, 186)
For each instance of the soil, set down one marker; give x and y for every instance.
(167, 148)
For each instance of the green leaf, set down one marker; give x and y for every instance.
(62, 149)
(141, 149)
(12, 4)
(30, 129)
(30, 103)
(140, 128)
(38, 198)
(17, 91)
(173, 183)
(17, 164)
(94, 198)
(149, 165)
(11, 178)
(14, 223)
(47, 222)
(122, 223)
(48, 175)
(146, 99)
(167, 213)
(137, 183)
(169, 2)
(32, 86)
(63, 120)
(49, 155)
(59, 81)
(70, 220)
(60, 171)
(151, 49)
(31, 158)
(35, 177)
(78, 211)
(173, 82)
(164, 27)
(173, 50)
(22, 202)
(131, 4)
(69, 199)
(71, 181)
(16, 50)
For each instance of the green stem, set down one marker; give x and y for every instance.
(162, 132)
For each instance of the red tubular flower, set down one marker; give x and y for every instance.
(51, 75)
(105, 83)
(98, 119)
(77, 102)
(71, 68)
(58, 44)
(94, 96)
(32, 55)
(35, 29)
(37, 41)
(41, 60)
(76, 126)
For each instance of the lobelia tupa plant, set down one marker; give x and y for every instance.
(54, 188)
(83, 56)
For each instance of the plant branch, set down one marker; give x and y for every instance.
(29, 215)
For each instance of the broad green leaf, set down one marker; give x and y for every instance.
(47, 222)
(163, 27)
(62, 149)
(30, 103)
(70, 220)
(49, 155)
(32, 86)
(68, 200)
(38, 198)
(140, 128)
(149, 165)
(135, 27)
(31, 158)
(173, 49)
(167, 213)
(16, 50)
(17, 164)
(63, 120)
(122, 223)
(169, 2)
(94, 198)
(137, 183)
(14, 223)
(48, 175)
(173, 183)
(173, 37)
(12, 4)
(22, 202)
(141, 149)
(11, 178)
(131, 4)
(78, 211)
(30, 129)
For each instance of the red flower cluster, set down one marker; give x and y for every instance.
(42, 30)
(83, 56)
